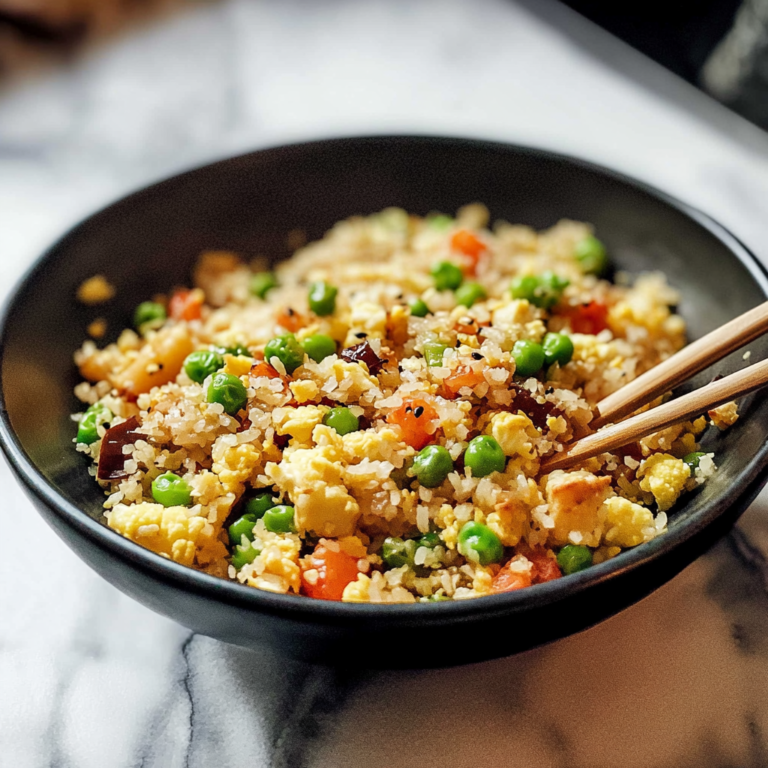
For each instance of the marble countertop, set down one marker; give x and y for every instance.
(88, 678)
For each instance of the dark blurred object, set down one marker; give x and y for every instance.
(35, 29)
(737, 70)
(720, 46)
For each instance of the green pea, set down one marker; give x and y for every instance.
(529, 357)
(280, 519)
(319, 346)
(148, 314)
(591, 255)
(88, 428)
(322, 298)
(692, 460)
(396, 553)
(227, 390)
(447, 276)
(433, 353)
(484, 456)
(429, 540)
(400, 477)
(440, 221)
(171, 490)
(524, 287)
(243, 526)
(244, 556)
(258, 505)
(342, 420)
(287, 350)
(558, 348)
(543, 291)
(468, 293)
(419, 308)
(572, 558)
(432, 465)
(262, 283)
(201, 364)
(478, 543)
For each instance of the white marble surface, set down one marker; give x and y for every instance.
(89, 678)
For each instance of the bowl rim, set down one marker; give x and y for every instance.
(299, 608)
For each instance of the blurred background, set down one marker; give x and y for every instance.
(720, 46)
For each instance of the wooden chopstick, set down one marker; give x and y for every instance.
(681, 366)
(689, 406)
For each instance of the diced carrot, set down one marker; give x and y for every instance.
(470, 245)
(463, 376)
(264, 369)
(588, 318)
(290, 319)
(545, 567)
(414, 417)
(508, 581)
(334, 571)
(186, 305)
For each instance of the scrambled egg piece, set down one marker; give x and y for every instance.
(514, 432)
(237, 365)
(625, 522)
(236, 465)
(312, 478)
(304, 390)
(357, 591)
(384, 445)
(724, 415)
(397, 325)
(298, 422)
(510, 516)
(366, 317)
(276, 568)
(95, 290)
(665, 477)
(168, 531)
(356, 381)
(575, 501)
(514, 315)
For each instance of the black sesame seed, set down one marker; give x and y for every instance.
(418, 410)
(458, 343)
(408, 409)
(549, 391)
(477, 356)
(361, 335)
(289, 312)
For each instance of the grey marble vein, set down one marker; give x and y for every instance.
(88, 678)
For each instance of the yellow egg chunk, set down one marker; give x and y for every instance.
(312, 478)
(665, 477)
(575, 500)
(626, 523)
(298, 422)
(515, 433)
(167, 531)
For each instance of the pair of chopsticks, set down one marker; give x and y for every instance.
(664, 377)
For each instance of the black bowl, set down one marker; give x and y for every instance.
(147, 243)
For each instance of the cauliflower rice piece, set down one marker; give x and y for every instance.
(329, 451)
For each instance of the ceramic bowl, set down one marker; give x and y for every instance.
(148, 242)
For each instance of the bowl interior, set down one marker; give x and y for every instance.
(148, 242)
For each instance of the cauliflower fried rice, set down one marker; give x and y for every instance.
(367, 424)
